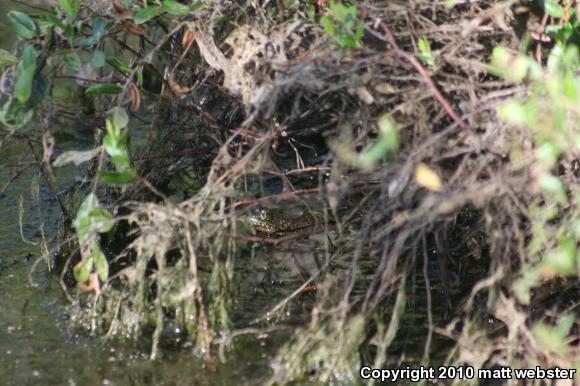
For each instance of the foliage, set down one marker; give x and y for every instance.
(171, 7)
(69, 43)
(22, 24)
(343, 25)
(18, 110)
(115, 143)
(80, 45)
(425, 52)
(551, 112)
(92, 219)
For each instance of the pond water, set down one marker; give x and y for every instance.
(35, 346)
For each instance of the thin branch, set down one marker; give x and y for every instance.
(395, 50)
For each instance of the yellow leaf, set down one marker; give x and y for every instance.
(428, 178)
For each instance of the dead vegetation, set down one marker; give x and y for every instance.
(260, 108)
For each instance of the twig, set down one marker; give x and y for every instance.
(397, 51)
(286, 300)
(274, 198)
(309, 169)
(278, 240)
(429, 302)
(47, 179)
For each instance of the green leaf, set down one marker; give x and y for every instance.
(552, 8)
(522, 286)
(73, 61)
(145, 14)
(499, 61)
(22, 24)
(118, 117)
(70, 7)
(82, 221)
(92, 218)
(7, 58)
(327, 24)
(81, 271)
(552, 30)
(174, 8)
(555, 57)
(74, 156)
(119, 66)
(196, 6)
(69, 32)
(26, 72)
(553, 338)
(310, 10)
(88, 42)
(565, 325)
(118, 152)
(571, 89)
(346, 40)
(342, 25)
(64, 91)
(359, 33)
(426, 54)
(571, 55)
(140, 77)
(513, 112)
(349, 22)
(99, 29)
(101, 263)
(118, 178)
(548, 153)
(389, 132)
(7, 113)
(104, 88)
(562, 260)
(339, 11)
(14, 116)
(53, 20)
(98, 59)
(559, 263)
(551, 183)
(101, 220)
(553, 187)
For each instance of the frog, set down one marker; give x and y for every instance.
(277, 221)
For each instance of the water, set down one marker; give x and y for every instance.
(36, 348)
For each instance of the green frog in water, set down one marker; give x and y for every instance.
(272, 221)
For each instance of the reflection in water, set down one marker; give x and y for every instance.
(36, 348)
